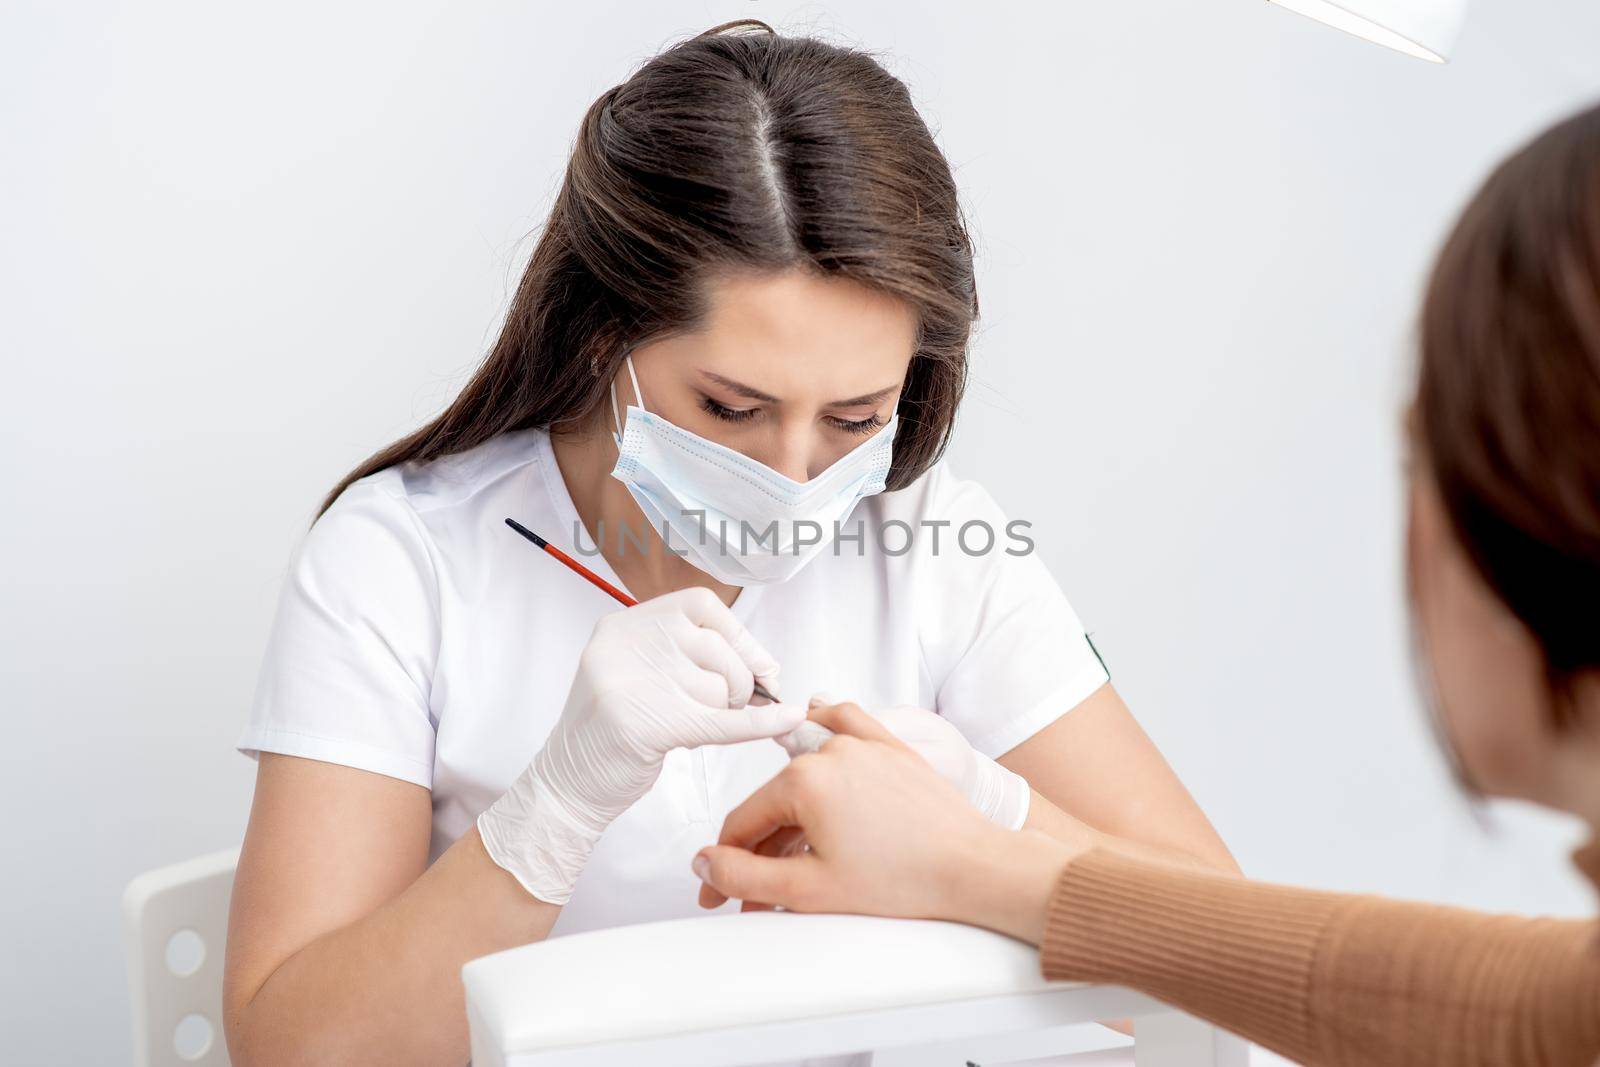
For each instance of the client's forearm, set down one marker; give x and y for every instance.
(1323, 978)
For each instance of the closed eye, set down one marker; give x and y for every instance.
(725, 413)
(861, 427)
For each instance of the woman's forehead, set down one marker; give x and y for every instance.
(800, 331)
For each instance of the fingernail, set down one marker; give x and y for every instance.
(701, 867)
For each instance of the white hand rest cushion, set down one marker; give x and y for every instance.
(631, 983)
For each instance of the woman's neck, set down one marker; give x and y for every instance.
(615, 523)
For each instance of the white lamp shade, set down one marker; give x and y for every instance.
(1426, 29)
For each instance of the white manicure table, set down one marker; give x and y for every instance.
(727, 990)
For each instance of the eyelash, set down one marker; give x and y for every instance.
(736, 415)
(862, 428)
(725, 413)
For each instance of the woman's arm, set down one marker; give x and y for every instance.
(1325, 978)
(1097, 767)
(343, 945)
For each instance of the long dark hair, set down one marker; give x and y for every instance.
(738, 150)
(1508, 397)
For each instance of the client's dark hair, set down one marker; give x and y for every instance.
(1508, 398)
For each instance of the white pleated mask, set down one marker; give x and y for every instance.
(738, 520)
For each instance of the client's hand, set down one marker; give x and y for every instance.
(887, 835)
(673, 672)
(1002, 796)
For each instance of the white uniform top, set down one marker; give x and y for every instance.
(419, 637)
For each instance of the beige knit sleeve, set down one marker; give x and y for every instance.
(1327, 978)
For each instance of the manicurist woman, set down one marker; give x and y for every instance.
(731, 366)
(1503, 553)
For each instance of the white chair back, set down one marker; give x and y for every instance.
(175, 924)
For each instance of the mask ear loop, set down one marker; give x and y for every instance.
(638, 397)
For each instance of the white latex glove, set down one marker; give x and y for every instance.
(673, 672)
(1001, 795)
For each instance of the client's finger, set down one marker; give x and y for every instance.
(733, 873)
(788, 841)
(763, 813)
(709, 897)
(770, 808)
(850, 719)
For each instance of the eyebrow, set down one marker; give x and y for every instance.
(752, 393)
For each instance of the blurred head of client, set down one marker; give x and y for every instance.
(1503, 564)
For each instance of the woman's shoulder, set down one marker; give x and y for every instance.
(937, 495)
(943, 529)
(414, 501)
(456, 479)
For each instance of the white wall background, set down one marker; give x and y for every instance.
(242, 246)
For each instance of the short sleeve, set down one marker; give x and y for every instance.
(1005, 651)
(350, 659)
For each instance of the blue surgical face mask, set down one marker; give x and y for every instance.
(738, 520)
